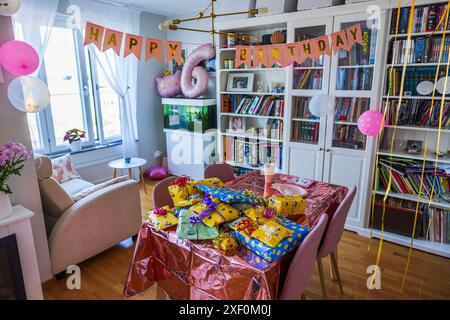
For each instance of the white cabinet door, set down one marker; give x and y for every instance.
(306, 162)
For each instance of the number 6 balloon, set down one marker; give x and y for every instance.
(192, 70)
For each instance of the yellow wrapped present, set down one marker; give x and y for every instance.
(212, 182)
(261, 214)
(287, 205)
(184, 193)
(162, 218)
(244, 226)
(225, 243)
(178, 189)
(271, 233)
(212, 213)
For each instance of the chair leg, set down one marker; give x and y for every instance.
(303, 296)
(322, 279)
(334, 262)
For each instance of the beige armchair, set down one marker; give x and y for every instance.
(79, 230)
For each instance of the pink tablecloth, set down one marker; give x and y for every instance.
(194, 270)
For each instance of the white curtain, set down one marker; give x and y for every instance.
(33, 23)
(121, 73)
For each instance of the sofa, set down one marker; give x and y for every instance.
(79, 229)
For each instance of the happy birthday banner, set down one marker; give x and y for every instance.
(286, 54)
(104, 39)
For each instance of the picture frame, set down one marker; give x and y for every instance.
(240, 82)
(236, 125)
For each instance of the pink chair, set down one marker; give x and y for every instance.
(331, 239)
(161, 196)
(302, 265)
(223, 171)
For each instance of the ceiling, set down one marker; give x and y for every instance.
(166, 7)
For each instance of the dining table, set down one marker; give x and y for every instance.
(187, 269)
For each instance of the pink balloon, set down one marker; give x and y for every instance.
(192, 70)
(19, 58)
(370, 123)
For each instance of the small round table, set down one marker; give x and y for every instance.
(120, 164)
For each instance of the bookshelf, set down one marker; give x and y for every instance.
(414, 125)
(251, 123)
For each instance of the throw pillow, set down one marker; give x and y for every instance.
(63, 169)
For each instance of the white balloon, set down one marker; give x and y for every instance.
(320, 105)
(28, 94)
(9, 7)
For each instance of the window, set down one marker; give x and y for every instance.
(81, 96)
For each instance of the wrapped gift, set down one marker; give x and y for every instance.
(213, 213)
(287, 205)
(184, 192)
(244, 226)
(261, 214)
(194, 231)
(286, 245)
(252, 258)
(212, 182)
(225, 243)
(271, 233)
(178, 190)
(162, 218)
(231, 196)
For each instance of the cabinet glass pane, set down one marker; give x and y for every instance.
(355, 67)
(305, 126)
(348, 136)
(309, 74)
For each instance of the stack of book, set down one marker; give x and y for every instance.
(422, 50)
(417, 113)
(310, 79)
(354, 79)
(413, 76)
(360, 54)
(348, 136)
(406, 177)
(349, 109)
(425, 18)
(275, 127)
(300, 108)
(305, 132)
(253, 105)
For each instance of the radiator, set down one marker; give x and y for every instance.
(96, 172)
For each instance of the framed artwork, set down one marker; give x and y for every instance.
(236, 124)
(240, 82)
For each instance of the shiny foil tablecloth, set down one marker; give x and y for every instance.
(194, 270)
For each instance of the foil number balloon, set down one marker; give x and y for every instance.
(192, 70)
(9, 7)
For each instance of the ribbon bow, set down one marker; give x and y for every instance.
(269, 213)
(211, 207)
(159, 211)
(181, 181)
(246, 226)
(269, 231)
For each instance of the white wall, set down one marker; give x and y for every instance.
(149, 108)
(14, 127)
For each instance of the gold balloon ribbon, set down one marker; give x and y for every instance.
(441, 51)
(400, 98)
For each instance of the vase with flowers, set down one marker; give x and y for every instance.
(74, 137)
(12, 157)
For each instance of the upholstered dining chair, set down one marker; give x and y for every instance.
(223, 171)
(331, 240)
(302, 265)
(161, 196)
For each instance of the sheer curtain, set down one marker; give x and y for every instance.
(33, 23)
(121, 73)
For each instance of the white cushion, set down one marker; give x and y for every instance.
(63, 169)
(75, 185)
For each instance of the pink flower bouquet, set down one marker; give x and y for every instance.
(12, 157)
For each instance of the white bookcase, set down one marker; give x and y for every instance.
(328, 157)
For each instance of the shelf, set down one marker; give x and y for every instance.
(417, 128)
(410, 197)
(252, 69)
(308, 68)
(428, 64)
(356, 66)
(406, 155)
(253, 93)
(243, 165)
(436, 98)
(231, 114)
(441, 249)
(417, 34)
(305, 120)
(227, 49)
(247, 136)
(348, 123)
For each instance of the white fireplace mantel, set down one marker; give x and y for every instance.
(19, 224)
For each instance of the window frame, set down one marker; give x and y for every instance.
(87, 79)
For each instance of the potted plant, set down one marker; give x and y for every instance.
(12, 157)
(74, 137)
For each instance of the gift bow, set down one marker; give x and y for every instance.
(181, 181)
(268, 230)
(211, 207)
(159, 211)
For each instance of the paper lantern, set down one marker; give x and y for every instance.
(19, 58)
(370, 123)
(9, 7)
(320, 105)
(28, 94)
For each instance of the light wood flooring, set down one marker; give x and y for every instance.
(103, 276)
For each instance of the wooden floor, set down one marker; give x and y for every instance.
(103, 276)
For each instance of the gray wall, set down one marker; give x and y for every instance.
(149, 108)
(14, 127)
